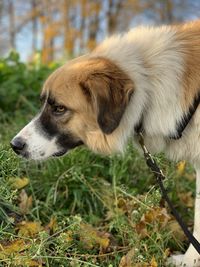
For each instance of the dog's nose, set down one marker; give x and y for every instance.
(18, 144)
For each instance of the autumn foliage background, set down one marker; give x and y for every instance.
(82, 209)
(60, 29)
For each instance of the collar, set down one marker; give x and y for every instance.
(181, 125)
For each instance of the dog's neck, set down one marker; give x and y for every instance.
(181, 125)
(146, 57)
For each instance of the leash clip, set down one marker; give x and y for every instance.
(151, 163)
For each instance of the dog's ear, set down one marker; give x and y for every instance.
(109, 90)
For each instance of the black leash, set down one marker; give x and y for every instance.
(152, 164)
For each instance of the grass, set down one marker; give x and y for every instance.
(89, 200)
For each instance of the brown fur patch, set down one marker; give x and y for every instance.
(189, 36)
(96, 92)
(109, 89)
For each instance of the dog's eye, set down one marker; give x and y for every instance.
(58, 110)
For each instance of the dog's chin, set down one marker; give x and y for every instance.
(40, 157)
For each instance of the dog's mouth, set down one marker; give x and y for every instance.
(65, 150)
(60, 153)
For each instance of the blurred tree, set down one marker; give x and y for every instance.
(71, 27)
(114, 8)
(83, 16)
(48, 30)
(12, 30)
(94, 20)
(166, 11)
(69, 15)
(35, 28)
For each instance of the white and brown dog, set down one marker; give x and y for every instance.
(148, 74)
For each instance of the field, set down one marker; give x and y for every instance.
(82, 209)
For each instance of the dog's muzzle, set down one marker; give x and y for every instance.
(35, 142)
(18, 145)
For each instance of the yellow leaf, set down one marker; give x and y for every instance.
(52, 225)
(166, 253)
(29, 229)
(17, 249)
(153, 263)
(156, 214)
(21, 261)
(19, 183)
(92, 237)
(187, 199)
(127, 260)
(181, 167)
(25, 202)
(15, 246)
(144, 264)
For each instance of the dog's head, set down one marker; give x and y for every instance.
(83, 103)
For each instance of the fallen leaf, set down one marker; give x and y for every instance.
(166, 253)
(91, 237)
(127, 260)
(153, 263)
(141, 229)
(22, 261)
(10, 248)
(29, 229)
(187, 199)
(126, 205)
(52, 225)
(16, 249)
(19, 183)
(25, 202)
(176, 230)
(180, 167)
(144, 264)
(157, 214)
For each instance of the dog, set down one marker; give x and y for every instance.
(148, 76)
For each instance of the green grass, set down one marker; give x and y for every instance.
(109, 193)
(100, 208)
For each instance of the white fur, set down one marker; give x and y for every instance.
(191, 258)
(39, 146)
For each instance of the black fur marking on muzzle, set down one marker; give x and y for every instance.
(48, 127)
(66, 140)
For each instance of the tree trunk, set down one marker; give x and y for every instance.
(94, 27)
(114, 7)
(12, 34)
(34, 27)
(166, 11)
(84, 7)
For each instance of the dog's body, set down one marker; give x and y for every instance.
(150, 75)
